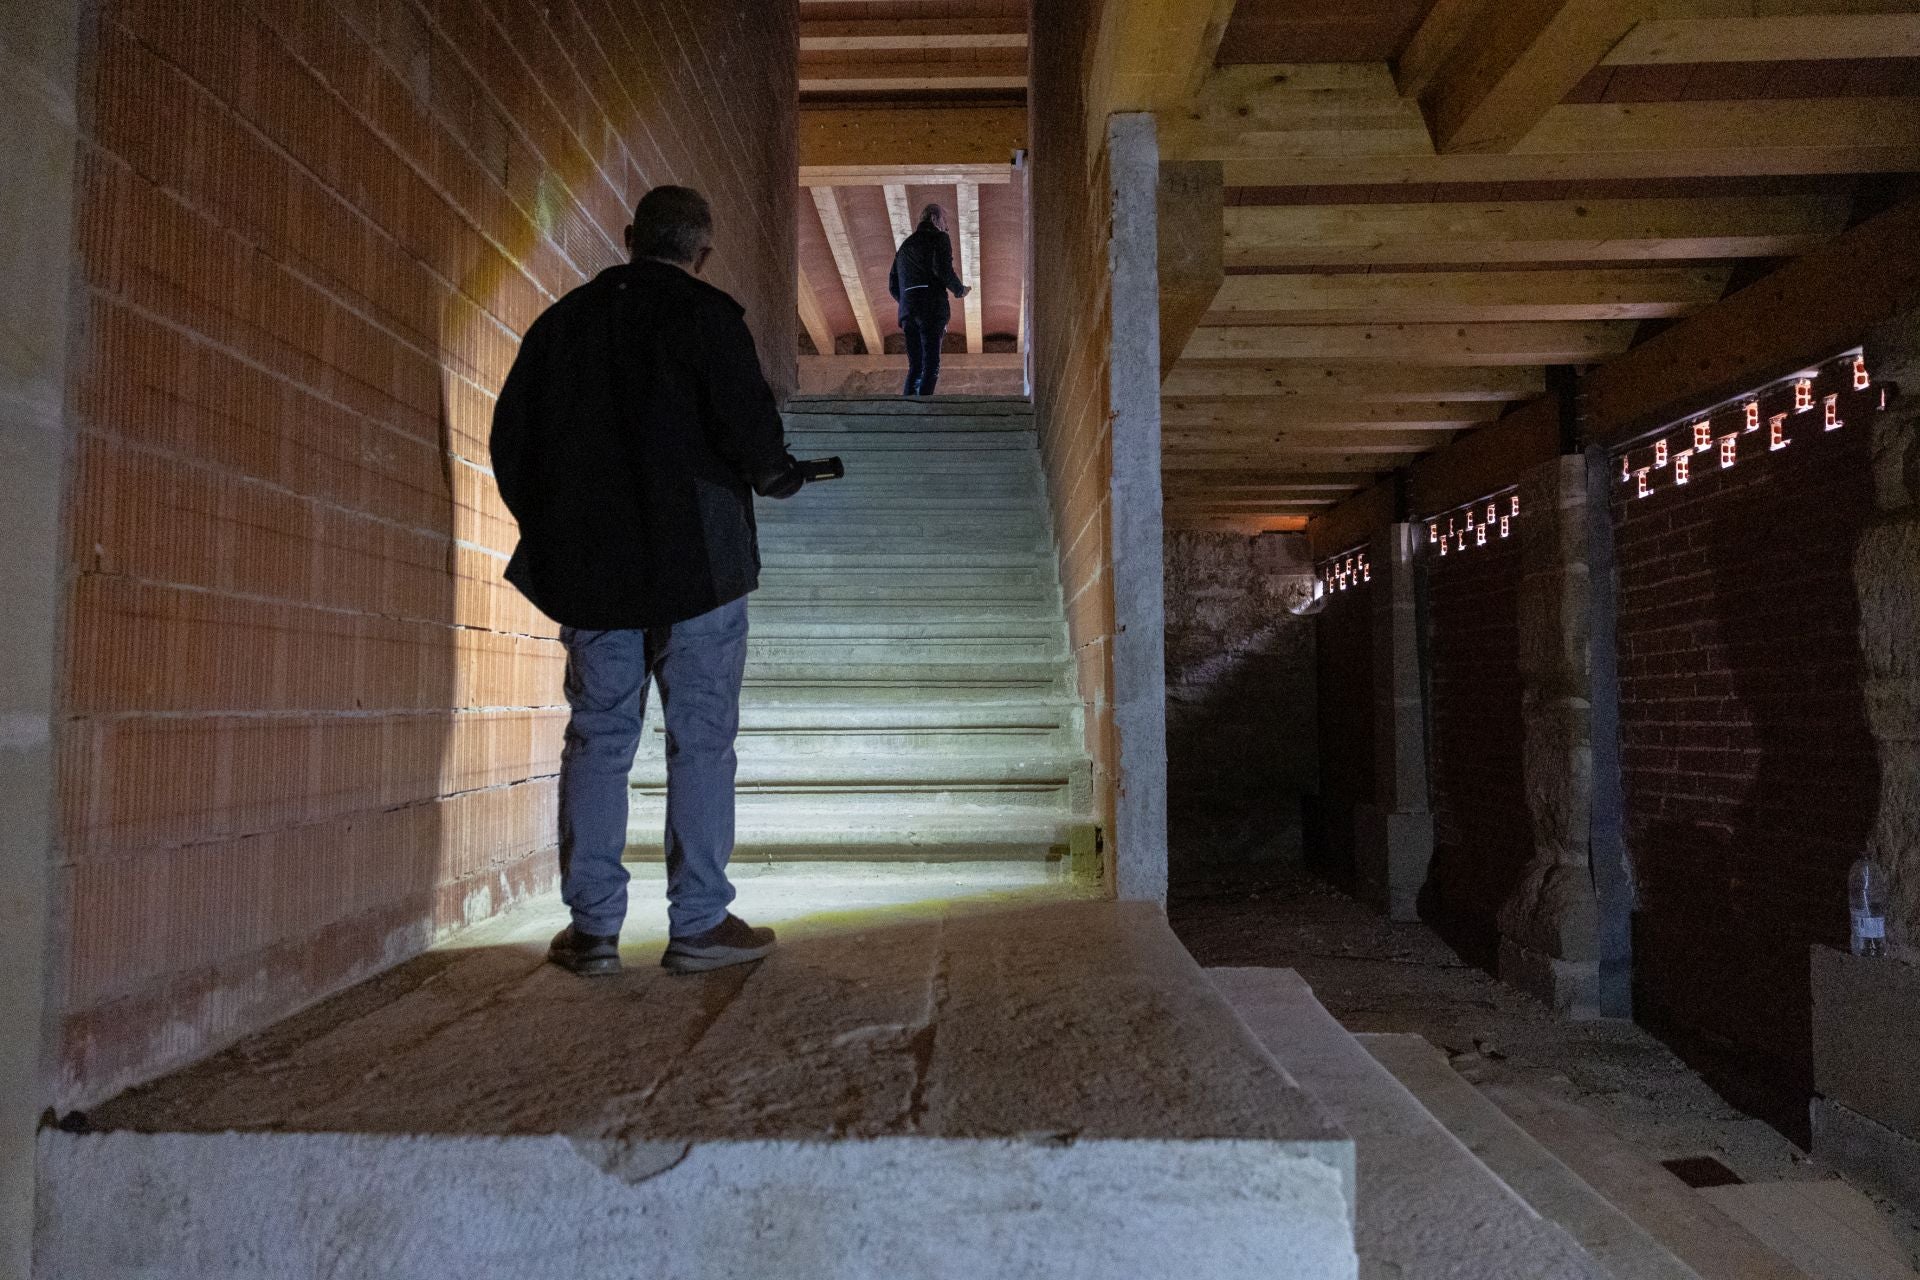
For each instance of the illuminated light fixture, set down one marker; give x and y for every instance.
(1860, 379)
(1833, 422)
(1659, 453)
(1777, 431)
(1729, 451)
(1514, 510)
(1503, 525)
(1626, 468)
(1682, 468)
(1753, 415)
(1493, 512)
(1883, 399)
(1803, 395)
(1366, 570)
(1646, 490)
(1433, 531)
(1703, 435)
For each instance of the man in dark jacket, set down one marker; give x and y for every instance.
(921, 276)
(628, 441)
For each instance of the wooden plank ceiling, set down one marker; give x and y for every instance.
(1427, 203)
(906, 103)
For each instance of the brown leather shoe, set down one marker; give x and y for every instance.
(732, 941)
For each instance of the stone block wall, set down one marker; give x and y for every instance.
(1482, 838)
(1750, 774)
(1240, 701)
(305, 726)
(1345, 695)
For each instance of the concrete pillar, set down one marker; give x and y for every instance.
(1393, 834)
(1550, 926)
(39, 54)
(1139, 837)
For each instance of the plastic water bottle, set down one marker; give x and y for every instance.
(1867, 897)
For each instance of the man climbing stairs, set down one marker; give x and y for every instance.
(908, 691)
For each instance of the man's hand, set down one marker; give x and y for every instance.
(782, 482)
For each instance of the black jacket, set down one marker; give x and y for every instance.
(628, 437)
(923, 273)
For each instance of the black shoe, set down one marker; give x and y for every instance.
(588, 954)
(732, 941)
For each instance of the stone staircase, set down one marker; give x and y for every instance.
(908, 691)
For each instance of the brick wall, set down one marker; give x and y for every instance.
(1482, 839)
(1750, 777)
(306, 726)
(1345, 711)
(1240, 702)
(1071, 323)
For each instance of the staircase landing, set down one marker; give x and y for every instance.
(1054, 1090)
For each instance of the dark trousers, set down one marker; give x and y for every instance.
(924, 335)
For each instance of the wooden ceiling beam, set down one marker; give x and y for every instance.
(834, 223)
(1808, 310)
(1338, 124)
(1189, 203)
(1357, 380)
(967, 229)
(1343, 412)
(1485, 461)
(896, 35)
(890, 141)
(857, 75)
(1602, 293)
(1502, 342)
(1824, 37)
(1285, 438)
(1515, 62)
(899, 215)
(1152, 55)
(812, 318)
(1630, 230)
(904, 175)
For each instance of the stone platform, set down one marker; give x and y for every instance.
(961, 1091)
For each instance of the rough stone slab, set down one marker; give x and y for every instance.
(1670, 1211)
(1428, 1209)
(1867, 1151)
(1052, 1090)
(1533, 1173)
(257, 1207)
(1866, 1041)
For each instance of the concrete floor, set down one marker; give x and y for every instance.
(1377, 976)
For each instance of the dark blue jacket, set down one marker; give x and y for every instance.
(923, 273)
(628, 441)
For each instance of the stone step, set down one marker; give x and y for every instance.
(1427, 1209)
(856, 647)
(902, 407)
(895, 564)
(945, 729)
(1013, 608)
(1051, 1091)
(842, 587)
(884, 789)
(913, 832)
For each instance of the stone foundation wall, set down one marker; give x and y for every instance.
(306, 727)
(1240, 701)
(1751, 779)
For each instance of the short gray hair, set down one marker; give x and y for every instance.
(674, 223)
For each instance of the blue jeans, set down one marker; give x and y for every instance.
(699, 664)
(924, 336)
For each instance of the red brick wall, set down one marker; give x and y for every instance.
(1071, 318)
(1482, 837)
(1751, 781)
(1344, 697)
(306, 726)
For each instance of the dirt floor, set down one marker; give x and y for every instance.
(1374, 975)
